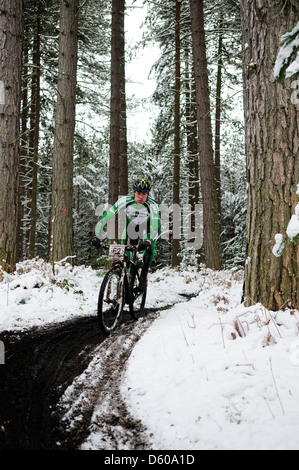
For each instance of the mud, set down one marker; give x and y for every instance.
(55, 380)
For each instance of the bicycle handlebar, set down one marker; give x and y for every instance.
(105, 245)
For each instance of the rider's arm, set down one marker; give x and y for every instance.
(155, 223)
(154, 227)
(103, 222)
(109, 214)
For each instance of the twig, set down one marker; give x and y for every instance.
(222, 333)
(269, 407)
(192, 316)
(184, 334)
(275, 324)
(204, 367)
(247, 365)
(276, 386)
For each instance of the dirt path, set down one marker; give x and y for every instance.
(55, 377)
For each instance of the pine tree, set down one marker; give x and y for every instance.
(34, 128)
(272, 148)
(62, 180)
(117, 106)
(11, 37)
(177, 138)
(118, 170)
(211, 215)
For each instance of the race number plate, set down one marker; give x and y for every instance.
(117, 252)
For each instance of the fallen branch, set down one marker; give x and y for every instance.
(270, 360)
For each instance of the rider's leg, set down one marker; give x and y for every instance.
(148, 257)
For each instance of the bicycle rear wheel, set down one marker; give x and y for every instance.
(111, 301)
(138, 289)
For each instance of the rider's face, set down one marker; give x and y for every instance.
(140, 198)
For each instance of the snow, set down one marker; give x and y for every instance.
(293, 226)
(278, 248)
(289, 42)
(208, 373)
(292, 231)
(199, 384)
(35, 296)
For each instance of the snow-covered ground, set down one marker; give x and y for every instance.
(207, 374)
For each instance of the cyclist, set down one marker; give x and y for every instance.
(142, 221)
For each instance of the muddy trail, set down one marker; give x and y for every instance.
(41, 365)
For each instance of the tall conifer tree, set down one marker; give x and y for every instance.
(211, 215)
(11, 37)
(62, 181)
(272, 148)
(177, 137)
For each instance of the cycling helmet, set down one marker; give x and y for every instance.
(141, 185)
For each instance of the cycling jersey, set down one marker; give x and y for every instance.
(142, 221)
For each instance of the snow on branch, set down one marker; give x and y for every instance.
(292, 231)
(287, 62)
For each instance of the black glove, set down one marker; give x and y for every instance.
(96, 242)
(143, 245)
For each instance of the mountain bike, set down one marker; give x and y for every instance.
(125, 283)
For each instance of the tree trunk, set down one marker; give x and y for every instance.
(191, 134)
(123, 152)
(34, 132)
(211, 216)
(62, 180)
(272, 148)
(21, 238)
(177, 138)
(118, 170)
(118, 173)
(11, 38)
(218, 113)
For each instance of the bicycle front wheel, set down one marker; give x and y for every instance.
(138, 288)
(111, 301)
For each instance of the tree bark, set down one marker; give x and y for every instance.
(118, 169)
(62, 180)
(123, 153)
(34, 132)
(218, 113)
(191, 135)
(118, 172)
(211, 216)
(11, 38)
(21, 237)
(272, 149)
(177, 137)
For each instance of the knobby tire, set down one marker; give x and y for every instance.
(111, 301)
(138, 295)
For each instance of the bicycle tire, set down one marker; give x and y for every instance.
(110, 302)
(138, 295)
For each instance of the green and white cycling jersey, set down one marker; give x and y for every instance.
(141, 221)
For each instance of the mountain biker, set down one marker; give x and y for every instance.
(142, 221)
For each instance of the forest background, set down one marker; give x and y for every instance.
(77, 158)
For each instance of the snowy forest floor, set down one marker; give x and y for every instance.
(199, 371)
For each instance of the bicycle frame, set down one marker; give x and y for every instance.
(120, 286)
